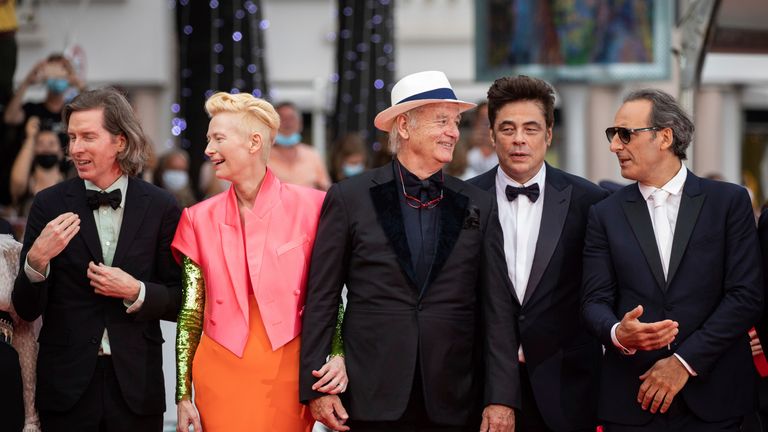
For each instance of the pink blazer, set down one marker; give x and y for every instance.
(279, 234)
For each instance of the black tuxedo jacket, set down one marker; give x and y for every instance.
(390, 329)
(74, 317)
(713, 290)
(562, 358)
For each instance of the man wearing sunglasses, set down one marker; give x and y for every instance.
(672, 282)
(543, 213)
(429, 318)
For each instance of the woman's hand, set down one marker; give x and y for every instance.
(32, 128)
(187, 415)
(332, 376)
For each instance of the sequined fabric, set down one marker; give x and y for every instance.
(189, 326)
(337, 346)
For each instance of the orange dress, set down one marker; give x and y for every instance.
(259, 392)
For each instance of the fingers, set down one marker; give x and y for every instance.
(325, 379)
(484, 424)
(196, 423)
(340, 411)
(323, 370)
(660, 397)
(634, 313)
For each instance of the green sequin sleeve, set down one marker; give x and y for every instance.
(337, 345)
(189, 326)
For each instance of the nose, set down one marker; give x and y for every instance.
(74, 146)
(453, 131)
(616, 144)
(208, 150)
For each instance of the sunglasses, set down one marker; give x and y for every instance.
(625, 134)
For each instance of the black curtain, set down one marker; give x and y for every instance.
(365, 65)
(221, 48)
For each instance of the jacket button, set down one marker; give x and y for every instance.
(219, 301)
(420, 307)
(94, 341)
(297, 292)
(213, 323)
(522, 318)
(668, 307)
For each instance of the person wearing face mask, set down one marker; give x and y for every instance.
(173, 175)
(293, 161)
(37, 166)
(349, 157)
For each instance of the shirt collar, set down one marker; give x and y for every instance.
(539, 178)
(674, 186)
(121, 183)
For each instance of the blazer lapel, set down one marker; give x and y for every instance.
(453, 210)
(385, 197)
(691, 202)
(231, 238)
(557, 200)
(76, 203)
(639, 219)
(136, 205)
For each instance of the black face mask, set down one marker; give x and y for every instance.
(47, 161)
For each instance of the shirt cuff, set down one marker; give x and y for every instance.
(136, 305)
(33, 275)
(686, 365)
(616, 343)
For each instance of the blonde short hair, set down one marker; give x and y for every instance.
(258, 114)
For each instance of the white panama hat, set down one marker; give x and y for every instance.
(415, 90)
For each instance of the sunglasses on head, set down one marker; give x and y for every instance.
(625, 134)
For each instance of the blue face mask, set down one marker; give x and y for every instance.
(57, 85)
(289, 140)
(351, 170)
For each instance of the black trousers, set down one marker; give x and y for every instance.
(529, 418)
(11, 390)
(101, 408)
(678, 418)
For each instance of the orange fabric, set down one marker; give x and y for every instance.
(259, 392)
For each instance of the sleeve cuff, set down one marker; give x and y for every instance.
(686, 365)
(136, 305)
(33, 275)
(625, 351)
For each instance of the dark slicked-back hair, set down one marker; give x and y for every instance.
(521, 88)
(119, 119)
(667, 113)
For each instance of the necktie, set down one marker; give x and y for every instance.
(661, 226)
(96, 199)
(532, 192)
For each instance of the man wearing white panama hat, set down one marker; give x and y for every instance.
(429, 327)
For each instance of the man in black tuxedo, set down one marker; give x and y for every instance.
(672, 282)
(97, 265)
(430, 307)
(543, 214)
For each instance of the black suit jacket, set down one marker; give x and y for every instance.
(390, 329)
(714, 291)
(74, 317)
(562, 358)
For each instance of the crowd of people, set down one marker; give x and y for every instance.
(397, 297)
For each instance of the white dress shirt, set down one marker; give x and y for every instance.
(520, 222)
(674, 188)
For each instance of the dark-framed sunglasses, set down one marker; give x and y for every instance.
(414, 202)
(625, 134)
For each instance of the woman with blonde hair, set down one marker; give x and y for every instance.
(245, 256)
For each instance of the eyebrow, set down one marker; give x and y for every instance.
(527, 123)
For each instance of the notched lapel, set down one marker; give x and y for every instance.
(639, 219)
(77, 204)
(390, 217)
(690, 207)
(556, 205)
(136, 204)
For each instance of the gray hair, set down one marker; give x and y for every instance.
(411, 117)
(667, 113)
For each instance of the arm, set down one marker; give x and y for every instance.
(14, 113)
(332, 377)
(22, 166)
(189, 327)
(25, 342)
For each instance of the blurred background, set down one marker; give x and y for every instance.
(330, 64)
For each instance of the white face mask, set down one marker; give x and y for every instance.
(175, 180)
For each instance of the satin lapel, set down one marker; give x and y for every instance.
(76, 203)
(136, 204)
(231, 237)
(691, 202)
(384, 194)
(639, 219)
(557, 200)
(453, 210)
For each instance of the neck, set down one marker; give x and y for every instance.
(54, 102)
(418, 166)
(664, 173)
(103, 184)
(248, 188)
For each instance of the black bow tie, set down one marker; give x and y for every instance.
(432, 185)
(96, 199)
(532, 192)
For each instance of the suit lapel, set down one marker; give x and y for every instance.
(76, 203)
(453, 209)
(385, 197)
(231, 238)
(557, 200)
(691, 202)
(636, 210)
(136, 204)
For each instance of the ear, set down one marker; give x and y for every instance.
(492, 134)
(401, 122)
(120, 142)
(666, 138)
(255, 142)
(548, 136)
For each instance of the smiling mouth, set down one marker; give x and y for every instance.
(82, 162)
(218, 162)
